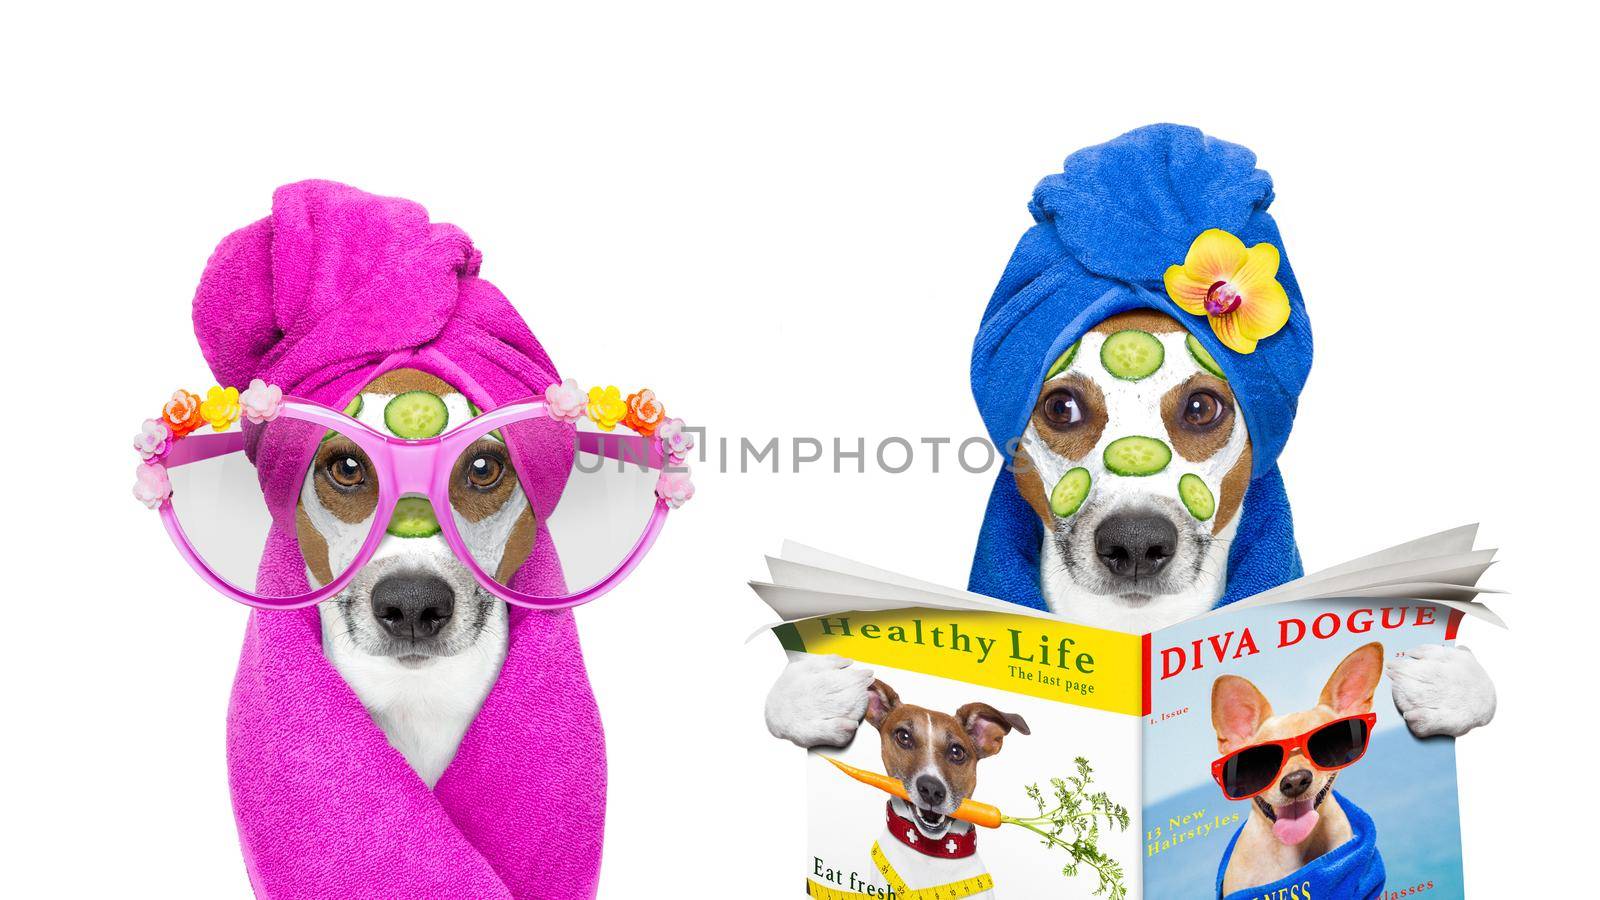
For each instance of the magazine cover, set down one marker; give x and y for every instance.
(1033, 725)
(1276, 767)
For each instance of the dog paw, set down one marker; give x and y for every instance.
(1441, 690)
(818, 701)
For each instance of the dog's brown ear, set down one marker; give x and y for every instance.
(881, 700)
(1237, 710)
(1349, 692)
(988, 726)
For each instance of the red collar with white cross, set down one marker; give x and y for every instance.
(951, 846)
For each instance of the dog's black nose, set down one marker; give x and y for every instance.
(930, 790)
(412, 606)
(1135, 544)
(1295, 783)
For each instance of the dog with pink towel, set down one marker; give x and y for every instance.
(392, 471)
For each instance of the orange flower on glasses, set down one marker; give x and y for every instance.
(182, 413)
(645, 412)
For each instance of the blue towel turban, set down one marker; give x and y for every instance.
(1105, 231)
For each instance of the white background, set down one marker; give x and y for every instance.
(787, 222)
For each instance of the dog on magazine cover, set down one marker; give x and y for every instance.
(1301, 838)
(935, 756)
(1142, 357)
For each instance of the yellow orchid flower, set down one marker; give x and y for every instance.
(606, 407)
(1236, 288)
(220, 408)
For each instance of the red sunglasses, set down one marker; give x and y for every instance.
(1249, 772)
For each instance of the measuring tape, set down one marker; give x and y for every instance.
(955, 890)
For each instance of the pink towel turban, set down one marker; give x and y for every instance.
(338, 286)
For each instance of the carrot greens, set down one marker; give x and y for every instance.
(1073, 824)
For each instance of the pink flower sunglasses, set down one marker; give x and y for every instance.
(530, 497)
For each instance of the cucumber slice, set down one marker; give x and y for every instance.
(1196, 497)
(1062, 362)
(1137, 455)
(415, 415)
(1203, 358)
(1132, 354)
(1070, 492)
(413, 518)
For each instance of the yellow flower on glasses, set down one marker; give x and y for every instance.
(1236, 288)
(220, 408)
(606, 407)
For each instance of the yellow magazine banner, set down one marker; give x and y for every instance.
(1023, 654)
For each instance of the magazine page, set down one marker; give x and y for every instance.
(794, 604)
(1444, 543)
(1462, 569)
(797, 564)
(1276, 765)
(1000, 752)
(1442, 567)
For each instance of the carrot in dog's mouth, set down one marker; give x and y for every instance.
(969, 810)
(1073, 825)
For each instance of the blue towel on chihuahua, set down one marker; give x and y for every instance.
(1351, 871)
(1106, 229)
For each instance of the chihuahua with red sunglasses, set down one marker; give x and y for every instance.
(1286, 766)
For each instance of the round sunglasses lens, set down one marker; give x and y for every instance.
(1249, 771)
(564, 522)
(1338, 744)
(229, 509)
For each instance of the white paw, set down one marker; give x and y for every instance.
(1441, 690)
(818, 701)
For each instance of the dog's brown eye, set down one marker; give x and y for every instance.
(1203, 409)
(1062, 408)
(958, 754)
(346, 471)
(903, 738)
(483, 471)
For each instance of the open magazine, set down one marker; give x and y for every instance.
(1251, 752)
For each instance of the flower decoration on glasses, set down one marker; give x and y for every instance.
(566, 401)
(261, 403)
(606, 407)
(151, 485)
(675, 440)
(182, 413)
(153, 439)
(641, 412)
(220, 408)
(644, 412)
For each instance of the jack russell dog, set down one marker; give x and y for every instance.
(414, 636)
(1297, 818)
(935, 757)
(1131, 555)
